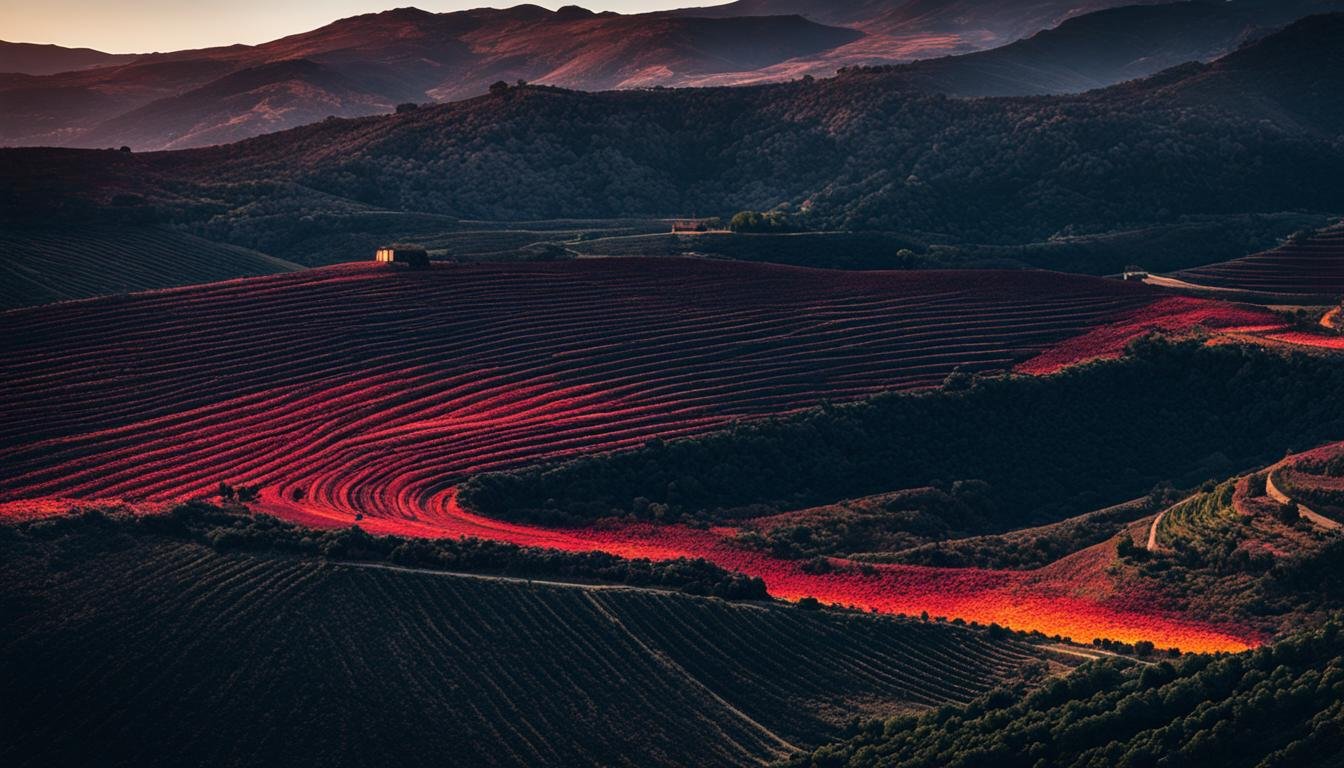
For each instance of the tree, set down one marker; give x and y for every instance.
(409, 106)
(756, 221)
(1126, 549)
(1288, 513)
(499, 87)
(958, 381)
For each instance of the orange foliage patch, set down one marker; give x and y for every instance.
(1071, 598)
(1175, 314)
(1301, 338)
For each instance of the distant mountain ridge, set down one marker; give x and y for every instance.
(369, 64)
(38, 59)
(1109, 46)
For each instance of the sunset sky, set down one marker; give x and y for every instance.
(144, 26)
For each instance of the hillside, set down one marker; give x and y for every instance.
(1019, 48)
(952, 25)
(1311, 265)
(38, 266)
(275, 658)
(1277, 706)
(1288, 78)
(1107, 47)
(854, 152)
(369, 64)
(259, 99)
(498, 356)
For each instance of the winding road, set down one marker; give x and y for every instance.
(1274, 492)
(1271, 490)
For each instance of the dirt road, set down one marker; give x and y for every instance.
(1319, 520)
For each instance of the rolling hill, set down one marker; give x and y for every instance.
(1007, 20)
(482, 348)
(1107, 47)
(213, 657)
(38, 266)
(369, 64)
(973, 48)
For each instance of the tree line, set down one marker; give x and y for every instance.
(232, 527)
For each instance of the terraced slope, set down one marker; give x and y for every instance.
(283, 661)
(356, 389)
(1191, 517)
(1315, 478)
(1312, 267)
(38, 266)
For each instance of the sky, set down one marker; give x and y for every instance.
(145, 26)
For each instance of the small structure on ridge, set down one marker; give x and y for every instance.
(414, 257)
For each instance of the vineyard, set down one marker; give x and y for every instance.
(363, 394)
(273, 660)
(354, 389)
(1192, 517)
(1172, 315)
(45, 265)
(1308, 266)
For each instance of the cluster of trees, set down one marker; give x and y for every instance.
(1331, 467)
(232, 528)
(1140, 648)
(1048, 448)
(1322, 497)
(886, 523)
(1278, 706)
(850, 154)
(756, 221)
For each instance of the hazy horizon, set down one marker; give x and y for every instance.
(148, 26)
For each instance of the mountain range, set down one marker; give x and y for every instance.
(369, 64)
(1255, 131)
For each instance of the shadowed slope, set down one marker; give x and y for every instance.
(35, 59)
(206, 658)
(1311, 266)
(44, 265)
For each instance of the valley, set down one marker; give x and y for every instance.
(916, 383)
